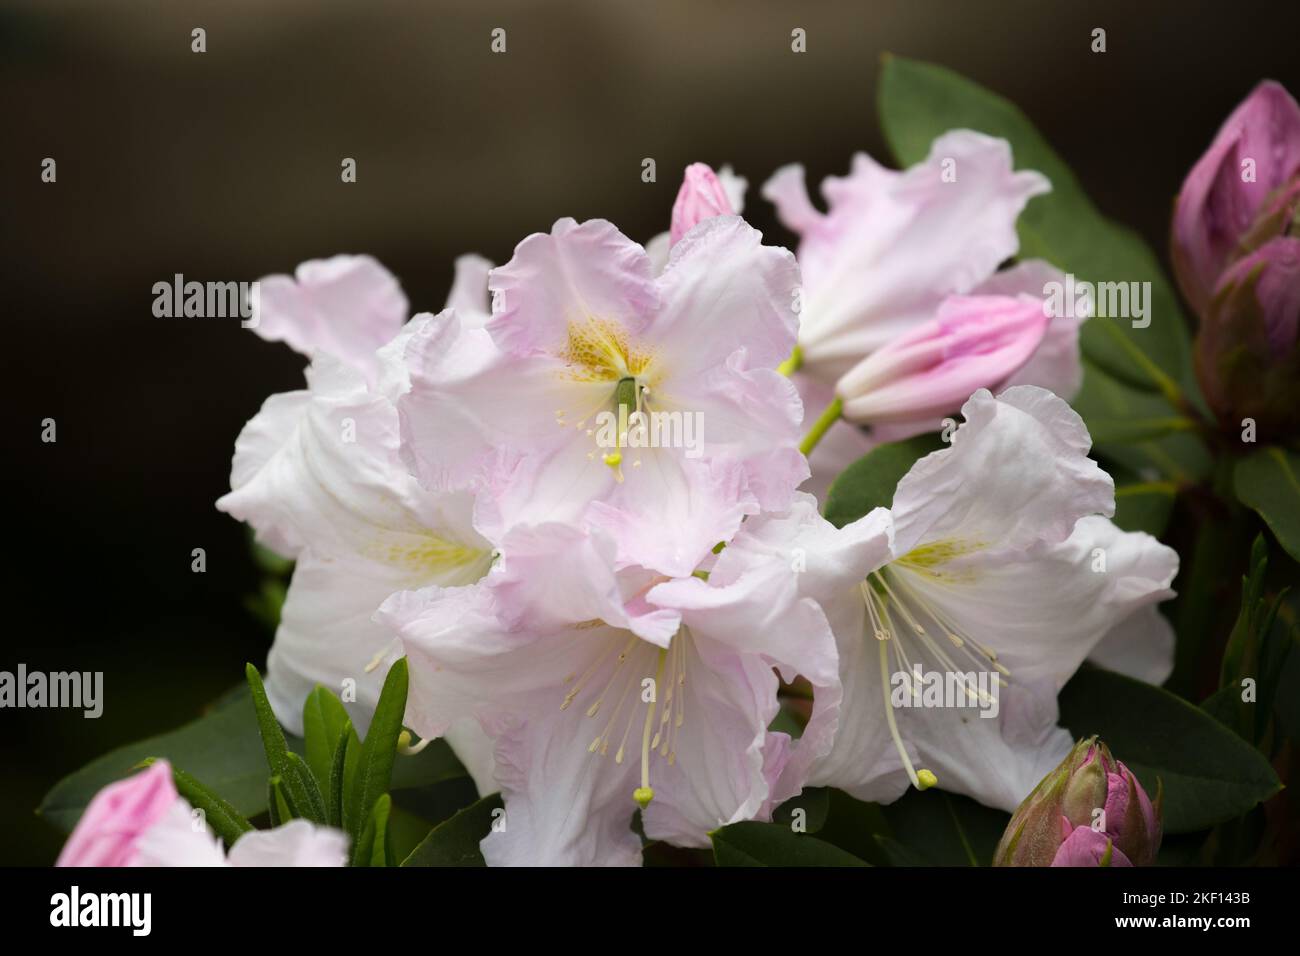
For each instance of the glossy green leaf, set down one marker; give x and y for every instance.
(1178, 456)
(934, 828)
(775, 844)
(378, 751)
(1209, 773)
(221, 748)
(336, 788)
(323, 716)
(871, 480)
(300, 787)
(371, 848)
(1269, 482)
(224, 750)
(808, 810)
(455, 842)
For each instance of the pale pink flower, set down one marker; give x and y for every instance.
(603, 692)
(527, 408)
(894, 244)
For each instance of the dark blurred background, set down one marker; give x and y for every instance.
(225, 166)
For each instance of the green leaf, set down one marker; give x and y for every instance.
(372, 846)
(1257, 651)
(223, 749)
(1179, 456)
(775, 844)
(855, 827)
(919, 101)
(810, 807)
(1286, 703)
(220, 748)
(278, 803)
(934, 828)
(323, 717)
(337, 779)
(300, 787)
(375, 766)
(1208, 772)
(871, 480)
(273, 742)
(224, 820)
(1241, 653)
(455, 842)
(1269, 482)
(305, 789)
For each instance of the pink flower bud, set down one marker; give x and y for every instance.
(1089, 811)
(1247, 354)
(1088, 847)
(974, 342)
(110, 830)
(1245, 180)
(701, 197)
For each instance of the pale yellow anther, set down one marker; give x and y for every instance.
(925, 779)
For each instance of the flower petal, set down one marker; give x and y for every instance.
(574, 274)
(1141, 646)
(346, 307)
(296, 843)
(722, 287)
(1017, 473)
(894, 244)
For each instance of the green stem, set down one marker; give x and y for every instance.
(821, 426)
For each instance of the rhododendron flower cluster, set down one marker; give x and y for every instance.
(661, 538)
(599, 613)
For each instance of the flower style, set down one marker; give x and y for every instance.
(1000, 567)
(601, 393)
(143, 821)
(603, 694)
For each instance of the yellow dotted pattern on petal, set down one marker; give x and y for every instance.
(599, 350)
(428, 556)
(928, 559)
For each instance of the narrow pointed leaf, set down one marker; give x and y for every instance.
(378, 751)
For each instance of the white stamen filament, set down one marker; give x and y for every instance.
(664, 715)
(891, 590)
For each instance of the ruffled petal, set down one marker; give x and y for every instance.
(575, 274)
(894, 244)
(345, 307)
(722, 287)
(1017, 473)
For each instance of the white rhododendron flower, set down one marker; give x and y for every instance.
(995, 560)
(602, 694)
(318, 475)
(599, 393)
